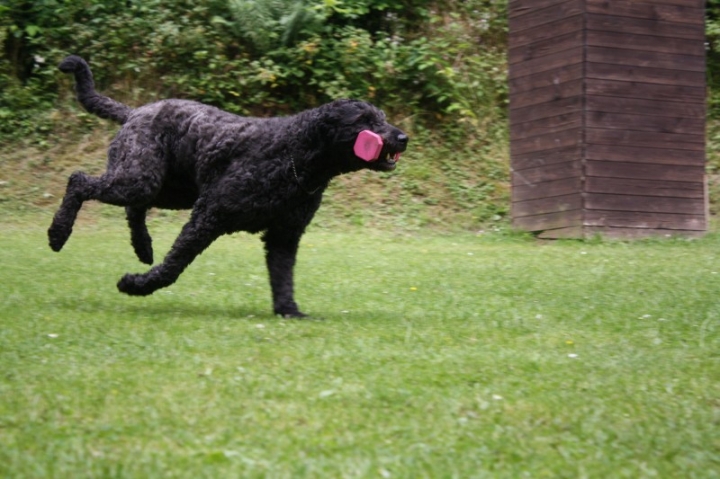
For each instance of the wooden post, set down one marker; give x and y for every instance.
(607, 117)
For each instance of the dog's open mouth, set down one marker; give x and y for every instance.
(388, 160)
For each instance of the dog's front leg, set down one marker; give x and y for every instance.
(280, 253)
(194, 238)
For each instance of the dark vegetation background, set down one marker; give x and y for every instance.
(438, 68)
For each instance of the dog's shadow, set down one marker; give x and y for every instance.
(160, 311)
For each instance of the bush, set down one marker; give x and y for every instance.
(274, 54)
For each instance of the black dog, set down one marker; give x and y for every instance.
(236, 173)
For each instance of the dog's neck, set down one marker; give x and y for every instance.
(309, 191)
(311, 168)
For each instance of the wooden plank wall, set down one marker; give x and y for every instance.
(645, 117)
(607, 115)
(546, 113)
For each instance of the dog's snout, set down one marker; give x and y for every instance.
(402, 138)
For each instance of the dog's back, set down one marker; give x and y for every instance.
(192, 137)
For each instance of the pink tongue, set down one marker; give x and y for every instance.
(396, 156)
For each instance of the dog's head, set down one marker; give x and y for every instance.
(355, 128)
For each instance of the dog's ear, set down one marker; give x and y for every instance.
(347, 118)
(330, 123)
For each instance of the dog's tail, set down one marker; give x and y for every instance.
(90, 99)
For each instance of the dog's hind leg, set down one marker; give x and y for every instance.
(64, 218)
(117, 186)
(194, 238)
(139, 235)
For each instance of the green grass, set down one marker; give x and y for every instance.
(439, 356)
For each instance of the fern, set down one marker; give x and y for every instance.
(270, 24)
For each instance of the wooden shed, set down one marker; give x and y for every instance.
(607, 117)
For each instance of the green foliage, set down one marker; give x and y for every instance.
(712, 29)
(289, 54)
(713, 129)
(272, 24)
(23, 106)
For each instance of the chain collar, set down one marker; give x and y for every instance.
(292, 163)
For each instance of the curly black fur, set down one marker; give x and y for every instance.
(236, 173)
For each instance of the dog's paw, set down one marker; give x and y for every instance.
(145, 254)
(134, 285)
(141, 243)
(58, 236)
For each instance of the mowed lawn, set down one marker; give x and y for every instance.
(437, 356)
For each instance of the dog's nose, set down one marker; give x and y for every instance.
(402, 138)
